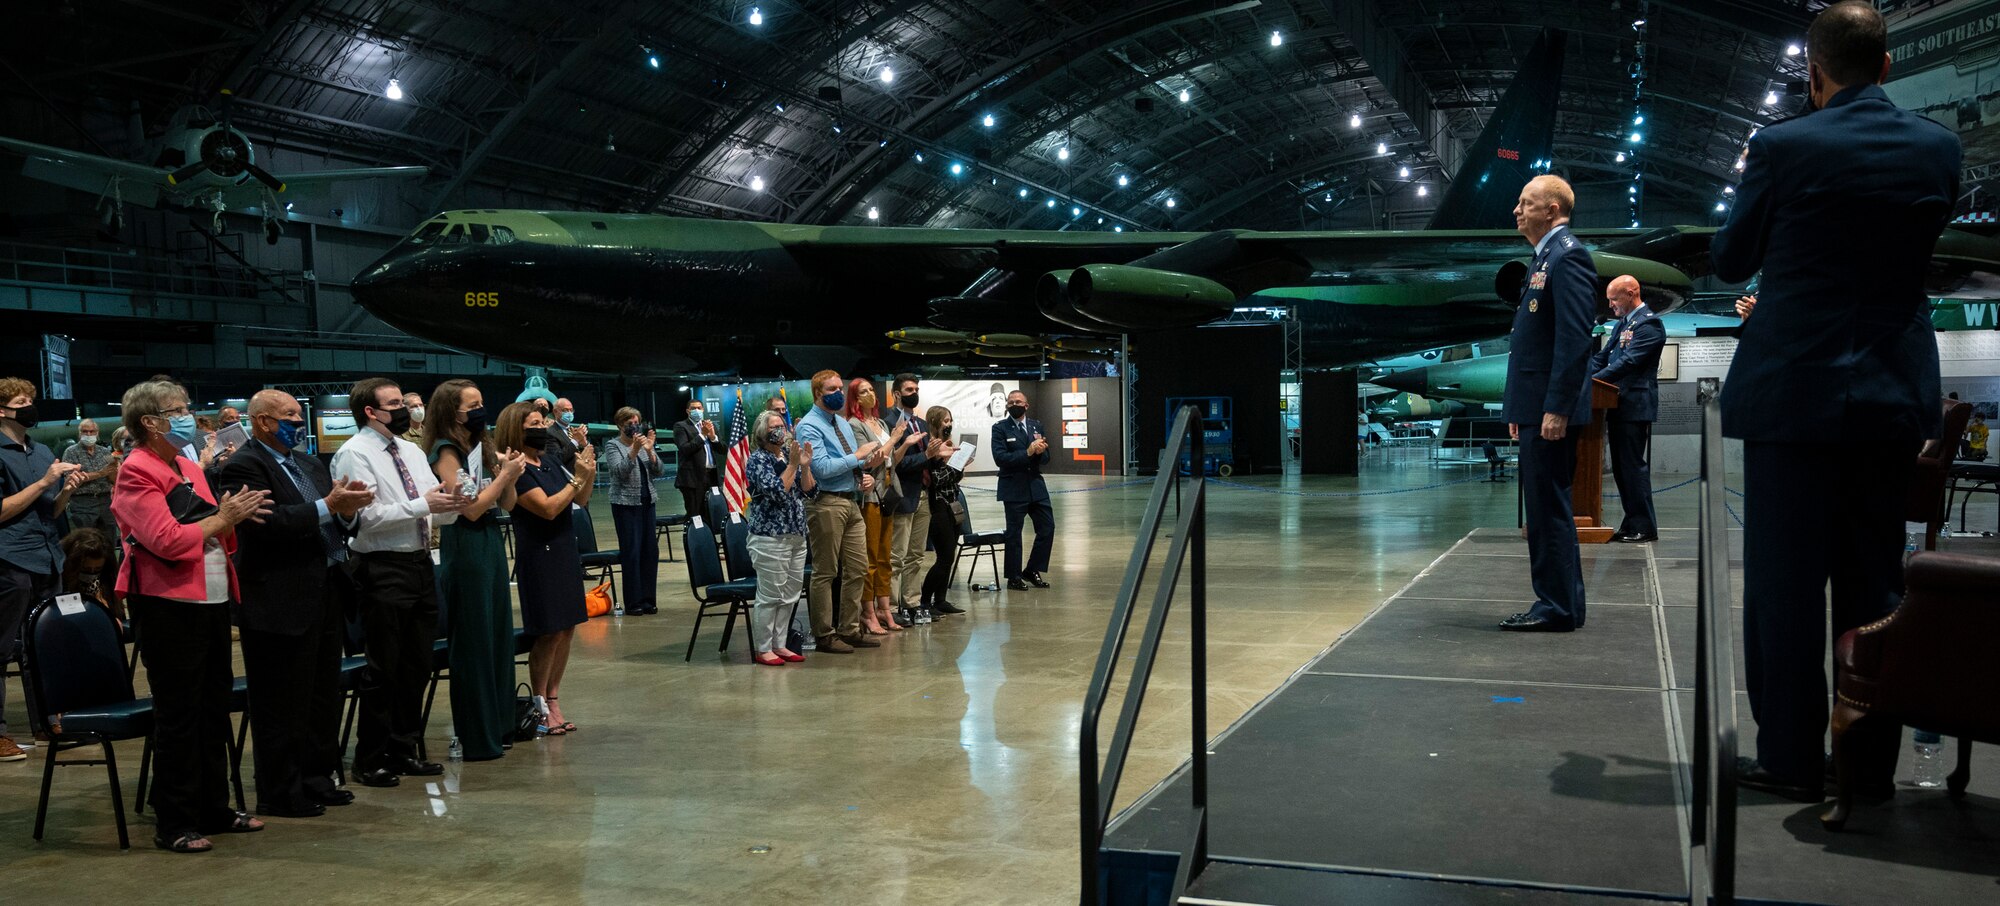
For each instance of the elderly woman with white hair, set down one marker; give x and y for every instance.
(780, 480)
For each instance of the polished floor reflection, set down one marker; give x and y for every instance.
(940, 768)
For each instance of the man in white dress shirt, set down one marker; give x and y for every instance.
(392, 572)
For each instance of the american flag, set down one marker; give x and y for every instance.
(736, 490)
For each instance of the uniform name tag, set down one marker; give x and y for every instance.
(1534, 305)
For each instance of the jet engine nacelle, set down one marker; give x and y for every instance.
(1662, 286)
(1144, 298)
(1052, 298)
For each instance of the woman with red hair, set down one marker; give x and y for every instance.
(877, 505)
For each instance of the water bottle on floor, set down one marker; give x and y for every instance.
(454, 762)
(618, 608)
(1929, 748)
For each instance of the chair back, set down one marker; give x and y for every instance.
(718, 508)
(75, 661)
(704, 566)
(965, 529)
(1927, 485)
(736, 543)
(584, 529)
(1931, 663)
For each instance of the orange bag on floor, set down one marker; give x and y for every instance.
(597, 601)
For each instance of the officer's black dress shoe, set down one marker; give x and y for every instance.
(1524, 622)
(1635, 538)
(410, 767)
(379, 777)
(300, 810)
(1753, 775)
(1035, 579)
(946, 607)
(1017, 585)
(330, 797)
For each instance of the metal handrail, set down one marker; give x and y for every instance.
(1098, 792)
(1712, 819)
(54, 265)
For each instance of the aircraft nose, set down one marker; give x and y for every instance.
(402, 288)
(1409, 380)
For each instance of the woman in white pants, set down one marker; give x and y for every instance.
(780, 480)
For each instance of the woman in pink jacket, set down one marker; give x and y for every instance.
(177, 581)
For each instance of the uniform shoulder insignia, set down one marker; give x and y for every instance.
(1568, 241)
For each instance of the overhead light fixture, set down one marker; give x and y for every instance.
(756, 15)
(1124, 180)
(1075, 211)
(1327, 197)
(888, 75)
(610, 142)
(1639, 120)
(1354, 122)
(1403, 173)
(1381, 148)
(836, 127)
(1634, 139)
(1184, 95)
(1793, 50)
(1720, 207)
(957, 168)
(920, 157)
(1100, 221)
(1635, 222)
(1621, 157)
(987, 121)
(1423, 191)
(1024, 193)
(1062, 153)
(1638, 23)
(1728, 190)
(1052, 202)
(288, 206)
(653, 60)
(756, 183)
(394, 92)
(1739, 163)
(874, 214)
(1170, 202)
(1631, 190)
(1770, 98)
(780, 106)
(1117, 228)
(1277, 39)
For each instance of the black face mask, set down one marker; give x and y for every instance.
(1016, 412)
(945, 429)
(910, 400)
(475, 421)
(399, 420)
(27, 416)
(535, 437)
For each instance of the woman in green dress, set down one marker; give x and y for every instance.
(472, 576)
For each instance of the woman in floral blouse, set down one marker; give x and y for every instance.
(780, 480)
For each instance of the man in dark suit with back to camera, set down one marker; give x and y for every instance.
(1839, 209)
(1021, 451)
(292, 608)
(1631, 359)
(698, 445)
(1548, 398)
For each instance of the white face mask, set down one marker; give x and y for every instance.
(88, 440)
(417, 413)
(694, 415)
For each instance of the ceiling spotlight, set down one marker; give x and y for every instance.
(653, 60)
(1739, 163)
(394, 92)
(1100, 221)
(1124, 180)
(1634, 139)
(1170, 202)
(1117, 228)
(1052, 203)
(1792, 50)
(1354, 122)
(610, 142)
(1062, 153)
(1075, 211)
(1770, 97)
(1728, 190)
(1720, 207)
(836, 127)
(780, 106)
(756, 183)
(987, 121)
(1631, 190)
(288, 206)
(1381, 147)
(1184, 95)
(756, 15)
(1620, 158)
(1327, 197)
(1638, 23)
(1639, 120)
(888, 75)
(1403, 173)
(920, 157)
(1277, 39)
(1024, 193)
(1635, 223)
(1423, 191)
(957, 168)
(874, 214)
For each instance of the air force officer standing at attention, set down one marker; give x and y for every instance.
(1839, 209)
(1548, 397)
(1631, 359)
(1021, 451)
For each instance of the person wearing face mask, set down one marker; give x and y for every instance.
(877, 503)
(912, 514)
(835, 528)
(566, 435)
(1021, 451)
(390, 561)
(414, 402)
(97, 463)
(87, 557)
(947, 510)
(633, 463)
(780, 480)
(291, 607)
(547, 562)
(178, 580)
(700, 453)
(36, 489)
(472, 568)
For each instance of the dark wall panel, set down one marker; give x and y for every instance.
(1237, 362)
(1326, 423)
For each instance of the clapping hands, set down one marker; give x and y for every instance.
(349, 498)
(246, 504)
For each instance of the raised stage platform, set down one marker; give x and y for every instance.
(1427, 757)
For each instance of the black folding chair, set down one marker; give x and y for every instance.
(75, 667)
(663, 526)
(711, 590)
(602, 563)
(972, 543)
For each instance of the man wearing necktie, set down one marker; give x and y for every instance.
(1631, 359)
(292, 604)
(1548, 399)
(390, 562)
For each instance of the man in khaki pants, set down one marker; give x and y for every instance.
(834, 529)
(912, 456)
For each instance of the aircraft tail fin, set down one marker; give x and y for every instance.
(1520, 133)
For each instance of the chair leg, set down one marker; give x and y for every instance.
(1962, 774)
(118, 798)
(236, 762)
(699, 612)
(145, 770)
(1845, 716)
(424, 723)
(347, 733)
(728, 627)
(48, 777)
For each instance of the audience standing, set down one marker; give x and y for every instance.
(633, 462)
(834, 529)
(36, 489)
(97, 465)
(695, 439)
(912, 513)
(780, 480)
(876, 503)
(947, 508)
(547, 564)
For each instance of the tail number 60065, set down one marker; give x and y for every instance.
(482, 300)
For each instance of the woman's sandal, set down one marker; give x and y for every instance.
(566, 727)
(187, 842)
(240, 823)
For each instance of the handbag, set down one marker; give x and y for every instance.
(597, 601)
(526, 720)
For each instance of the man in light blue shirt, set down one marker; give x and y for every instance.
(834, 526)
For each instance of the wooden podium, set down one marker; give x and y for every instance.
(1586, 491)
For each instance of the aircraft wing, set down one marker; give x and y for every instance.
(137, 183)
(313, 187)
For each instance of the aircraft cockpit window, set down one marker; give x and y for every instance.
(428, 233)
(480, 234)
(599, 224)
(502, 235)
(455, 236)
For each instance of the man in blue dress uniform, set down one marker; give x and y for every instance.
(1839, 209)
(1548, 398)
(1631, 359)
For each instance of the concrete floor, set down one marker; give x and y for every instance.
(940, 768)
